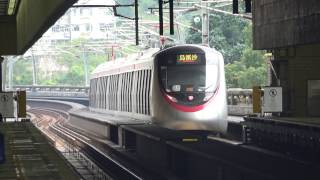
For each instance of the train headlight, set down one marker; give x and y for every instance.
(207, 96)
(190, 98)
(171, 98)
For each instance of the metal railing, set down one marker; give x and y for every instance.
(239, 101)
(53, 91)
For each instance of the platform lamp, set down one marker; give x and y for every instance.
(12, 5)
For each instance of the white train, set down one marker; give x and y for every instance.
(182, 87)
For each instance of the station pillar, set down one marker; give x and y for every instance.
(297, 72)
(1, 73)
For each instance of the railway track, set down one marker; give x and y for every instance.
(149, 152)
(87, 154)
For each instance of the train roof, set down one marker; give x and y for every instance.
(138, 61)
(120, 64)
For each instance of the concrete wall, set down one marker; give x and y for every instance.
(281, 23)
(302, 63)
(8, 38)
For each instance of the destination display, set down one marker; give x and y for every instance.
(188, 58)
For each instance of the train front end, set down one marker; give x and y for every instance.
(189, 91)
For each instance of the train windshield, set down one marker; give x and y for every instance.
(189, 78)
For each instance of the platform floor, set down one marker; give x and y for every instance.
(307, 122)
(106, 117)
(28, 155)
(235, 119)
(312, 121)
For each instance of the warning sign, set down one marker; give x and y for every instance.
(272, 99)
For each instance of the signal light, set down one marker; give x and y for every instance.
(235, 7)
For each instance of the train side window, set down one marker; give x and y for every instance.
(125, 101)
(148, 91)
(142, 92)
(124, 79)
(135, 92)
(103, 92)
(107, 92)
(99, 92)
(119, 92)
(95, 92)
(111, 92)
(92, 100)
(138, 92)
(132, 92)
(114, 92)
(123, 88)
(144, 88)
(91, 93)
(129, 92)
(117, 87)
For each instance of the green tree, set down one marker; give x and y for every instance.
(232, 73)
(251, 69)
(226, 35)
(22, 72)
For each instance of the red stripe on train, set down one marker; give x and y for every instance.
(188, 108)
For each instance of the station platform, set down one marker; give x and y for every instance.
(308, 122)
(102, 125)
(235, 119)
(28, 155)
(299, 126)
(297, 136)
(106, 118)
